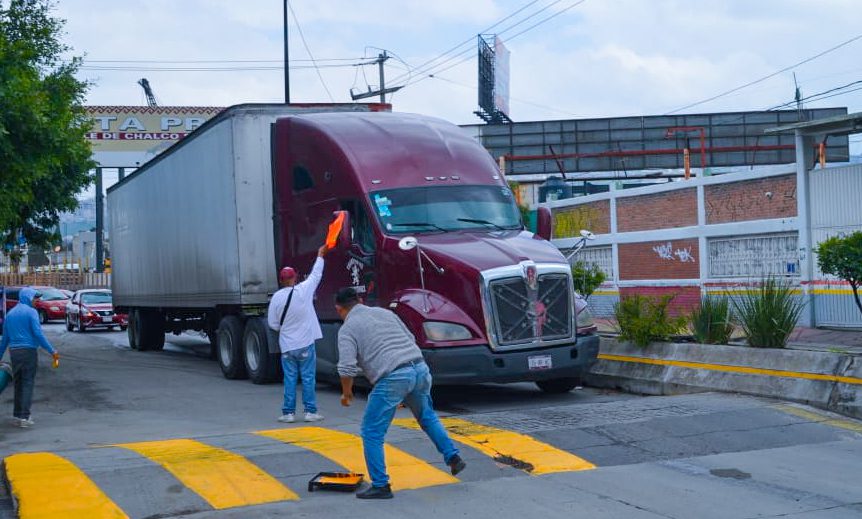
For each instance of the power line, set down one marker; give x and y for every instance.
(209, 69)
(467, 41)
(813, 96)
(768, 76)
(308, 50)
(540, 22)
(193, 61)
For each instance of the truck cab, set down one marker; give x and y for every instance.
(436, 236)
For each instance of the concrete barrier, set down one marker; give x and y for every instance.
(827, 380)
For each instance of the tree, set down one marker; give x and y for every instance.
(587, 278)
(44, 155)
(842, 257)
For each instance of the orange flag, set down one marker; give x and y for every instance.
(335, 229)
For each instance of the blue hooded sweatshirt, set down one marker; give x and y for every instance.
(21, 328)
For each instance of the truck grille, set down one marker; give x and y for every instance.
(522, 315)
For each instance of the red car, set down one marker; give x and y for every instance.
(50, 302)
(93, 308)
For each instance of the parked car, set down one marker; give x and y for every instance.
(50, 303)
(93, 308)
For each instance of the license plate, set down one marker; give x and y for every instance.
(539, 362)
(107, 319)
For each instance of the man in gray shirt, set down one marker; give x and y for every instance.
(375, 342)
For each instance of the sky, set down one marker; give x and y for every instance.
(572, 58)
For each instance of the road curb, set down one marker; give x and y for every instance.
(826, 380)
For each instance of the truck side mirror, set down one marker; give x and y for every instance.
(544, 223)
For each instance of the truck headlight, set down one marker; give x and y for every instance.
(585, 318)
(439, 331)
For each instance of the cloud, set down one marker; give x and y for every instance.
(601, 58)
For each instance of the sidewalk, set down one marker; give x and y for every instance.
(813, 339)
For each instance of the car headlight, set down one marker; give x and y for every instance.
(585, 318)
(439, 331)
(55, 309)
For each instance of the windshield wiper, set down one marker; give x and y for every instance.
(484, 222)
(420, 224)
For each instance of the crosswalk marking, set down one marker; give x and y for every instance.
(220, 477)
(514, 449)
(49, 486)
(405, 471)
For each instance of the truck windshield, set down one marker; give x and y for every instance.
(446, 208)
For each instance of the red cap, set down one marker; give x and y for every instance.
(286, 274)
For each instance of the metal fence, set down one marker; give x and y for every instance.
(59, 279)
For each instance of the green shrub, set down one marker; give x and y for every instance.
(642, 320)
(711, 323)
(587, 278)
(768, 313)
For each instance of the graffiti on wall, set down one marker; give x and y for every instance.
(666, 251)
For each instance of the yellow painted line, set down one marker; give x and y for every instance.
(821, 418)
(49, 486)
(405, 471)
(606, 293)
(733, 369)
(510, 448)
(837, 291)
(223, 479)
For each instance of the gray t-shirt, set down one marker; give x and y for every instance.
(374, 341)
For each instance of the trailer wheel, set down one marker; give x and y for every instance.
(151, 334)
(261, 365)
(230, 350)
(558, 385)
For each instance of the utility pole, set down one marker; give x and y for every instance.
(286, 60)
(797, 95)
(382, 91)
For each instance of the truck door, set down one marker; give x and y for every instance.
(361, 264)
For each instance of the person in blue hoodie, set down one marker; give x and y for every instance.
(22, 335)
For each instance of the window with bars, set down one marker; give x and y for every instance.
(754, 256)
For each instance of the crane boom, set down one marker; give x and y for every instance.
(151, 99)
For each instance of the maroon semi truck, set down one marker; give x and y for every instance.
(434, 234)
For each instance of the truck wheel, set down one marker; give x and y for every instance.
(558, 385)
(230, 350)
(261, 365)
(152, 330)
(134, 329)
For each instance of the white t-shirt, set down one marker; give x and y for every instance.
(300, 328)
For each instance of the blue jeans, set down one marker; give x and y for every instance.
(295, 364)
(411, 385)
(24, 363)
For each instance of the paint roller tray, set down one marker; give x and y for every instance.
(338, 481)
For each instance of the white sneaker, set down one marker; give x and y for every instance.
(313, 417)
(24, 422)
(287, 418)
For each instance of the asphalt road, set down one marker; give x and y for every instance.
(162, 434)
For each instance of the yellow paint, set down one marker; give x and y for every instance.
(733, 369)
(519, 450)
(606, 292)
(405, 471)
(821, 418)
(49, 486)
(745, 291)
(223, 479)
(833, 291)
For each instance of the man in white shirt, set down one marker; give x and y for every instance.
(291, 313)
